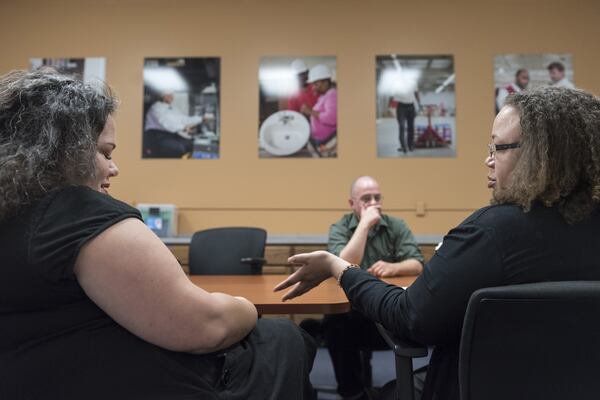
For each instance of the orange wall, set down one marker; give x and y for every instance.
(303, 195)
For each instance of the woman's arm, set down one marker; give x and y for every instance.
(129, 273)
(432, 309)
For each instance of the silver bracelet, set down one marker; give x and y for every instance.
(339, 279)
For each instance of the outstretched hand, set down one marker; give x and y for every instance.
(315, 267)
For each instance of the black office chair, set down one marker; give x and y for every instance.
(530, 341)
(227, 251)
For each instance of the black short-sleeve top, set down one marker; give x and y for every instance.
(54, 341)
(38, 249)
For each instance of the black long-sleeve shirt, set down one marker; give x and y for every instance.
(495, 246)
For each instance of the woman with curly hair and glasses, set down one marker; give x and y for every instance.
(543, 225)
(92, 304)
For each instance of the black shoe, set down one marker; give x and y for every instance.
(402, 149)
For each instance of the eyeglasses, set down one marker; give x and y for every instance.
(367, 198)
(493, 147)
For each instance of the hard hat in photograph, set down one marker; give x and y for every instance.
(318, 72)
(298, 66)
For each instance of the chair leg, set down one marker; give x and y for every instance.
(404, 379)
(366, 369)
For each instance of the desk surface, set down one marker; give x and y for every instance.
(327, 298)
(284, 240)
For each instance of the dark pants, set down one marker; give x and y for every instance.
(346, 335)
(272, 363)
(405, 113)
(108, 362)
(163, 144)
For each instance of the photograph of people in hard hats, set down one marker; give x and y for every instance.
(517, 72)
(88, 69)
(415, 106)
(298, 107)
(181, 116)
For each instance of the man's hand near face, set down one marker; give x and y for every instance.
(370, 216)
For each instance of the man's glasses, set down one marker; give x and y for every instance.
(367, 198)
(493, 147)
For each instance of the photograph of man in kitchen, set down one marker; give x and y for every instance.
(181, 108)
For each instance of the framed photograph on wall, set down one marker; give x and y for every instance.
(181, 117)
(415, 106)
(88, 68)
(298, 107)
(517, 72)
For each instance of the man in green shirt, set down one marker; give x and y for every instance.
(384, 246)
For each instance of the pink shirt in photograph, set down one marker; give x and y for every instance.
(325, 124)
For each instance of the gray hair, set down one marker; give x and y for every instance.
(49, 126)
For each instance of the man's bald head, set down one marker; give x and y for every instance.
(364, 193)
(361, 182)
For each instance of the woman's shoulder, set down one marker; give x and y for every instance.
(85, 199)
(495, 212)
(510, 217)
(66, 219)
(82, 205)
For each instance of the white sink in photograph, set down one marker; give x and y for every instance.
(284, 133)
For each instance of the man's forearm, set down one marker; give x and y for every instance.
(355, 249)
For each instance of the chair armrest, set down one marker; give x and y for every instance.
(401, 347)
(253, 261)
(404, 351)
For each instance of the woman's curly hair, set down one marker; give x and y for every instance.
(49, 126)
(559, 164)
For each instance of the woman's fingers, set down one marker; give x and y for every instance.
(316, 257)
(295, 292)
(299, 259)
(298, 290)
(313, 270)
(289, 281)
(302, 285)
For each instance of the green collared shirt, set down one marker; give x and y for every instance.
(390, 240)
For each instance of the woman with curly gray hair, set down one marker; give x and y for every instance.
(41, 144)
(543, 225)
(92, 304)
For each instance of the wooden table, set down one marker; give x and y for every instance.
(327, 298)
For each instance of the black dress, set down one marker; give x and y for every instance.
(55, 343)
(495, 246)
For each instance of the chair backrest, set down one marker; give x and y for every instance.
(532, 341)
(227, 251)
